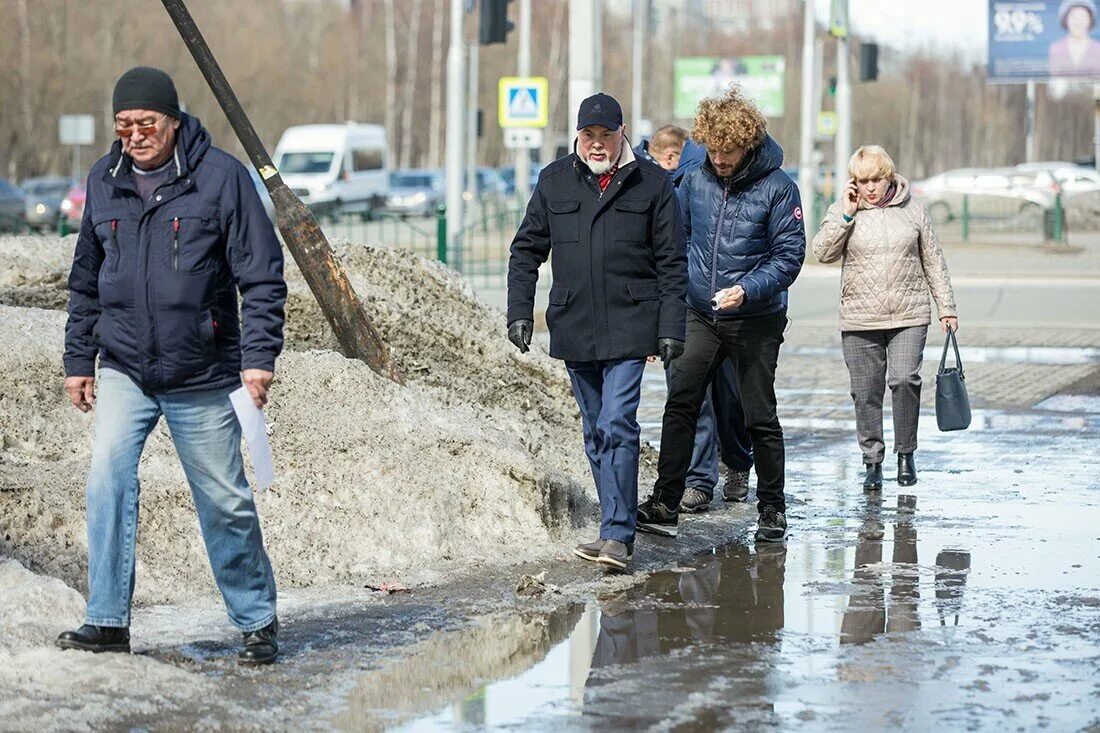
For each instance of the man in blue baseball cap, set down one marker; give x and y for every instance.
(620, 280)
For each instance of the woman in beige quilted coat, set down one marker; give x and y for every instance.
(891, 259)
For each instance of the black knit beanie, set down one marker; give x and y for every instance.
(145, 88)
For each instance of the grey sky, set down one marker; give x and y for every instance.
(913, 24)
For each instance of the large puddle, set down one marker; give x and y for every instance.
(972, 603)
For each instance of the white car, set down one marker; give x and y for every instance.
(992, 192)
(336, 169)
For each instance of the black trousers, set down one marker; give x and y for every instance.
(752, 343)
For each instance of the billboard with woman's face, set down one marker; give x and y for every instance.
(1042, 39)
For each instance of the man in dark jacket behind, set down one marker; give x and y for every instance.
(746, 244)
(172, 228)
(614, 227)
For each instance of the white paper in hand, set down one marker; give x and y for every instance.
(254, 428)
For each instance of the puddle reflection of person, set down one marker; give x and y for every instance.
(952, 567)
(737, 597)
(870, 613)
(1076, 53)
(865, 616)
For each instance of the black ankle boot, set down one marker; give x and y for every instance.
(907, 470)
(873, 480)
(260, 646)
(96, 639)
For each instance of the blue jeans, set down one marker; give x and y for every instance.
(207, 437)
(608, 393)
(721, 431)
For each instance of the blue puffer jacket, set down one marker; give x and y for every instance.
(744, 230)
(153, 287)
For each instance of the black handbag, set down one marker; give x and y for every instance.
(952, 401)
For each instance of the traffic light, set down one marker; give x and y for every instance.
(868, 62)
(494, 24)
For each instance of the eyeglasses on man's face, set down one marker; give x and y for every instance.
(146, 127)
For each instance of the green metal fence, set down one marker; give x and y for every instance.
(479, 252)
(483, 245)
(980, 217)
(997, 219)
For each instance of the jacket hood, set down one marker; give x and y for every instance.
(691, 157)
(762, 161)
(192, 142)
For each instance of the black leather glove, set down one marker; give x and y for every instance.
(519, 333)
(669, 349)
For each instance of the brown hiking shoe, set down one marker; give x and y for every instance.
(615, 554)
(736, 488)
(589, 551)
(694, 501)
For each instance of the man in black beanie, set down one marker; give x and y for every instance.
(173, 228)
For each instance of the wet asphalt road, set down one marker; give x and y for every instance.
(970, 601)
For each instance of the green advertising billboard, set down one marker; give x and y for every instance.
(698, 77)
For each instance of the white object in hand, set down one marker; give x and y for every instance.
(254, 428)
(716, 301)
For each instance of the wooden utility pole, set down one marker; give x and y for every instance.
(308, 245)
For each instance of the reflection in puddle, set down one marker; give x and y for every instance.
(737, 614)
(969, 604)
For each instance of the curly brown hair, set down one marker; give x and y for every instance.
(728, 122)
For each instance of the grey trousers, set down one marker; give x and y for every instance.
(876, 359)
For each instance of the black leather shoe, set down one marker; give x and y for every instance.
(907, 470)
(260, 646)
(96, 639)
(873, 480)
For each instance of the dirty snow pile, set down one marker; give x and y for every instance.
(477, 459)
(33, 610)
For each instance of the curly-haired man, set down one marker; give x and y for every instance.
(746, 243)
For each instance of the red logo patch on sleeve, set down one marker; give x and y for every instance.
(798, 213)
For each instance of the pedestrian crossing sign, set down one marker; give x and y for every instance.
(523, 101)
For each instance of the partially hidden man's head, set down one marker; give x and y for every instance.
(730, 127)
(147, 115)
(600, 132)
(666, 145)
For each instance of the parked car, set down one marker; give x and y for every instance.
(487, 185)
(1071, 178)
(12, 207)
(508, 176)
(991, 192)
(416, 192)
(336, 169)
(43, 202)
(1080, 189)
(72, 209)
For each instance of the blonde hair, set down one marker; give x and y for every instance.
(728, 122)
(871, 161)
(668, 137)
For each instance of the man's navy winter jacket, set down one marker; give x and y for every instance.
(617, 260)
(153, 287)
(745, 230)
